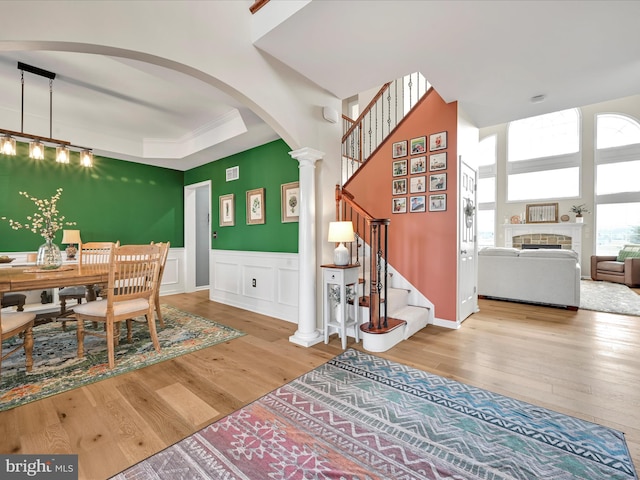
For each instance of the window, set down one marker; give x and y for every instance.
(486, 192)
(615, 130)
(543, 157)
(617, 188)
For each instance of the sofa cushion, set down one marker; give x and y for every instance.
(549, 253)
(629, 251)
(611, 266)
(499, 251)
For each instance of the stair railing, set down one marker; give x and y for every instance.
(373, 232)
(380, 117)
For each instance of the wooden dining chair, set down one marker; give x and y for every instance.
(133, 278)
(164, 253)
(90, 253)
(18, 323)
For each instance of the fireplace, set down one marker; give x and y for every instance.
(535, 246)
(567, 235)
(542, 240)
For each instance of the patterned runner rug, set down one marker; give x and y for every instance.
(57, 369)
(362, 417)
(609, 297)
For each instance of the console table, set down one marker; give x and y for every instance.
(341, 276)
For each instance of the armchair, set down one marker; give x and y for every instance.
(623, 268)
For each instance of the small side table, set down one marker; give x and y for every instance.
(341, 276)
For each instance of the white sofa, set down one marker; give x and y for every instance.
(546, 276)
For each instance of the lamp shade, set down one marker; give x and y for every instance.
(341, 232)
(71, 237)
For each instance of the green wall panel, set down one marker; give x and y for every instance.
(114, 200)
(268, 167)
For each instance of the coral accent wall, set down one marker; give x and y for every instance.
(422, 246)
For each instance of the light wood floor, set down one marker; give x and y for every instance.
(582, 363)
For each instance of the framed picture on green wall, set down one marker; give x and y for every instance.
(290, 201)
(227, 211)
(255, 206)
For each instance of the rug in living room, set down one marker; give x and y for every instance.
(57, 369)
(609, 297)
(360, 416)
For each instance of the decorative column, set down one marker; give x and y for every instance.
(307, 333)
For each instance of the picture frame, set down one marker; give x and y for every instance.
(290, 202)
(399, 205)
(399, 186)
(438, 141)
(418, 165)
(542, 213)
(438, 161)
(438, 202)
(418, 145)
(255, 206)
(399, 168)
(418, 184)
(437, 182)
(227, 210)
(417, 204)
(399, 149)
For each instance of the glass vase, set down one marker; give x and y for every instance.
(49, 256)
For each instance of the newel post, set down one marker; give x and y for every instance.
(307, 333)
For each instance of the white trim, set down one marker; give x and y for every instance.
(189, 233)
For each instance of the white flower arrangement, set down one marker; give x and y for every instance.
(47, 220)
(334, 293)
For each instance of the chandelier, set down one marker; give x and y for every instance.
(36, 142)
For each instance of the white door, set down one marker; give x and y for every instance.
(467, 262)
(197, 236)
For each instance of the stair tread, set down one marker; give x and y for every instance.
(392, 324)
(364, 301)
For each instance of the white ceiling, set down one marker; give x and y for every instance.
(491, 56)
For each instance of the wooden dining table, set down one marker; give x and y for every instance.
(33, 278)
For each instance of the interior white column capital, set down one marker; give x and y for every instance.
(307, 154)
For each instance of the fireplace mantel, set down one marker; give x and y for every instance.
(573, 230)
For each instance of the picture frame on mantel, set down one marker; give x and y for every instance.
(542, 213)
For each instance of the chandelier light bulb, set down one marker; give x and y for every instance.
(36, 150)
(62, 154)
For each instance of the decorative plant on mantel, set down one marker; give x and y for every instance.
(579, 209)
(45, 222)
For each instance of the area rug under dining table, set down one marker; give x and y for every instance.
(363, 417)
(56, 367)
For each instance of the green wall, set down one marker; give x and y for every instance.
(268, 167)
(114, 200)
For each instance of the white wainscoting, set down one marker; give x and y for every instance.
(173, 277)
(276, 282)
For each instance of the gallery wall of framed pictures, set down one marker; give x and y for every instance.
(418, 173)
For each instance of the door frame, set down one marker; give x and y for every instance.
(190, 234)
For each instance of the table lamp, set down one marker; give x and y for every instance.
(71, 238)
(340, 232)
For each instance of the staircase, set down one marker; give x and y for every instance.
(390, 317)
